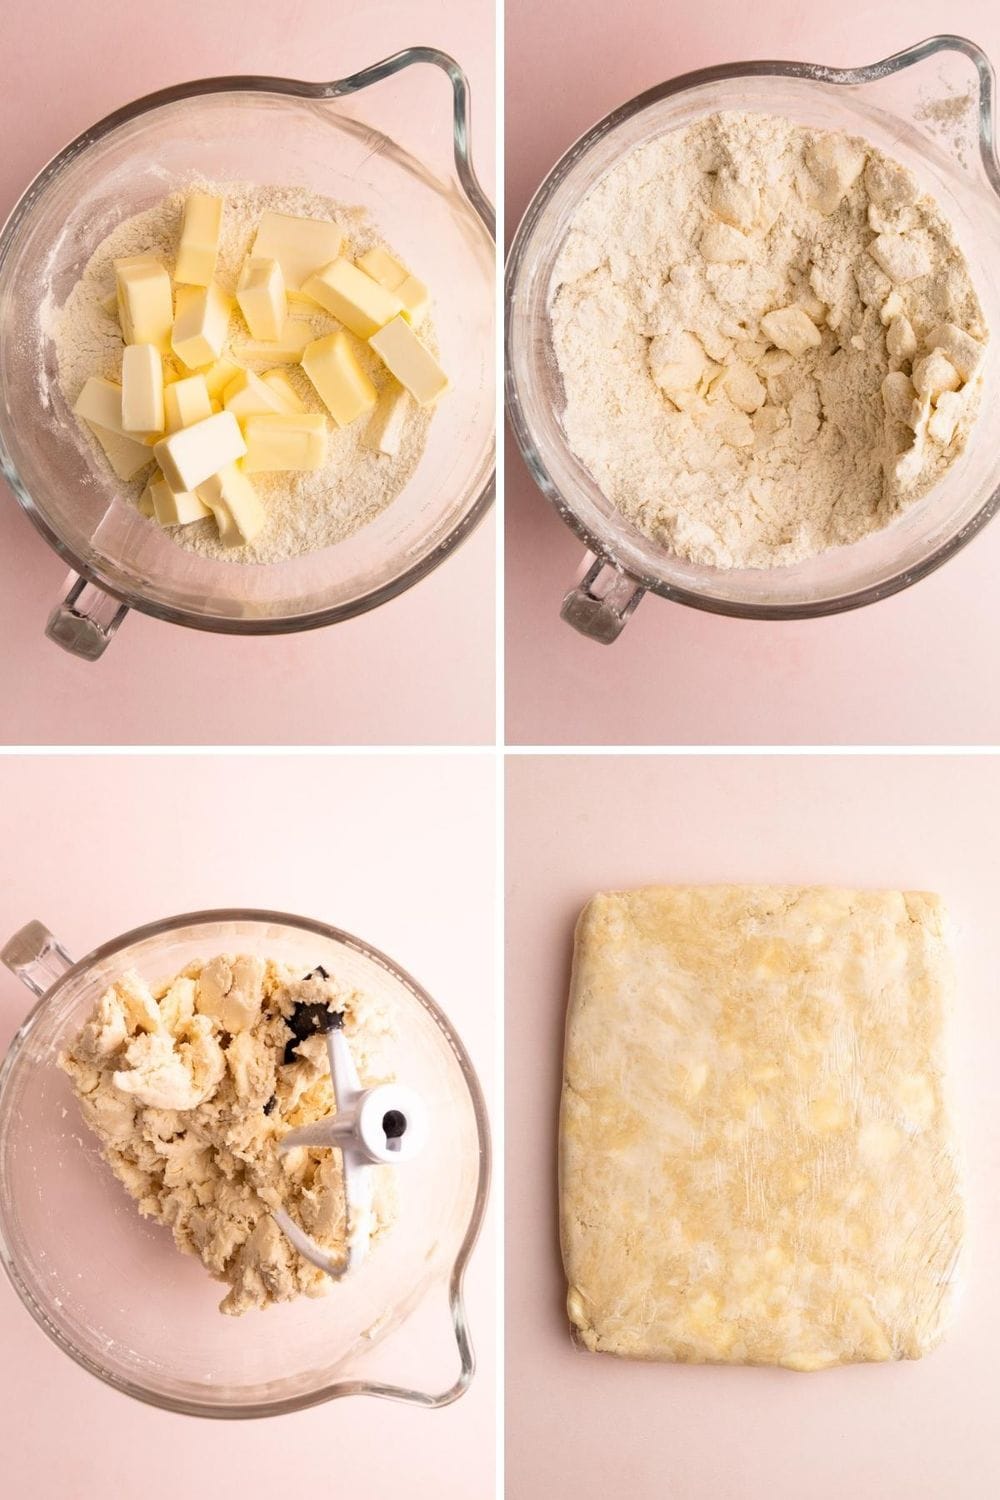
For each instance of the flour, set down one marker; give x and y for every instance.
(305, 511)
(769, 340)
(953, 118)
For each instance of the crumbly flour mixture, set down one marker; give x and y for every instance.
(306, 511)
(769, 340)
(189, 1085)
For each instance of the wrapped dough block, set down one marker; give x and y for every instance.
(756, 1160)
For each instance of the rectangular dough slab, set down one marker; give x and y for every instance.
(756, 1160)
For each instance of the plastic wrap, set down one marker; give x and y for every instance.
(757, 1164)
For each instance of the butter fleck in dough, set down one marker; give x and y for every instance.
(177, 1082)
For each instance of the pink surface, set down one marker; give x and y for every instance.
(591, 1426)
(418, 670)
(909, 670)
(398, 850)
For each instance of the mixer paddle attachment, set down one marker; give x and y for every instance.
(380, 1126)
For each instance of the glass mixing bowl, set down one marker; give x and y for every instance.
(885, 103)
(264, 130)
(110, 1288)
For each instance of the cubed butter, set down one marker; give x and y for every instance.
(145, 301)
(416, 300)
(218, 376)
(361, 304)
(383, 268)
(340, 382)
(286, 348)
(235, 505)
(791, 329)
(200, 326)
(247, 395)
(385, 430)
(199, 244)
(193, 454)
(410, 361)
(142, 390)
(126, 456)
(173, 508)
(100, 404)
(300, 246)
(186, 402)
(284, 390)
(262, 299)
(390, 273)
(289, 441)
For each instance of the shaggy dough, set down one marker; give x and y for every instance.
(756, 1162)
(187, 1087)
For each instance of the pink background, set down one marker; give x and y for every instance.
(398, 849)
(589, 1425)
(910, 670)
(418, 670)
(592, 1426)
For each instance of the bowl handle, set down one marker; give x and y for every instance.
(603, 600)
(36, 957)
(431, 1400)
(461, 114)
(85, 621)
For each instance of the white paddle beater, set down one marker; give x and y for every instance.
(380, 1126)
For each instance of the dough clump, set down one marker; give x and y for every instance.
(187, 1087)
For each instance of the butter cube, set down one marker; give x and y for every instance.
(935, 373)
(284, 390)
(792, 329)
(901, 259)
(186, 402)
(193, 454)
(388, 272)
(218, 376)
(235, 505)
(247, 395)
(126, 456)
(300, 246)
(175, 508)
(261, 295)
(383, 268)
(944, 418)
(340, 382)
(200, 326)
(100, 404)
(359, 302)
(965, 352)
(416, 300)
(145, 301)
(142, 390)
(199, 245)
(289, 441)
(410, 361)
(287, 347)
(385, 430)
